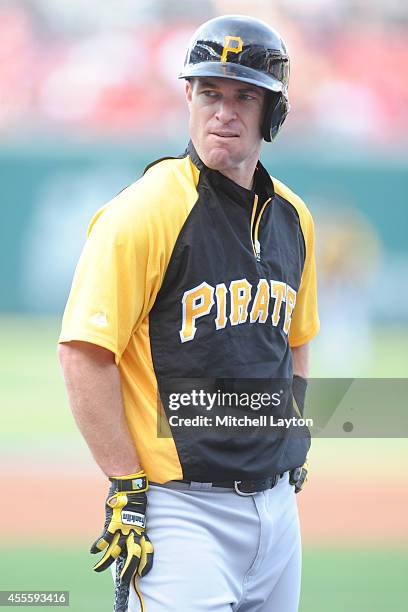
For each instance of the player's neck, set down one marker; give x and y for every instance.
(244, 172)
(243, 179)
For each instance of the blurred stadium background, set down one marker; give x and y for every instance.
(89, 95)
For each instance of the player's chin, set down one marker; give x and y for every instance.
(221, 155)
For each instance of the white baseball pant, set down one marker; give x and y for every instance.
(216, 551)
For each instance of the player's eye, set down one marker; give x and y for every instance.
(209, 93)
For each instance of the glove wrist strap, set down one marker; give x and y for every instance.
(132, 483)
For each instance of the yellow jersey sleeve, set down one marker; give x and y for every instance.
(125, 257)
(116, 279)
(305, 319)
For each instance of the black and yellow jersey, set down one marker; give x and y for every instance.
(187, 277)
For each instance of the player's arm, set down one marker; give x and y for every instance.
(99, 319)
(94, 390)
(304, 326)
(300, 355)
(95, 396)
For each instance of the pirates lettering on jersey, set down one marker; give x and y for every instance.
(273, 301)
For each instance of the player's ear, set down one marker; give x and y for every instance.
(189, 91)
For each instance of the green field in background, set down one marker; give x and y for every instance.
(333, 580)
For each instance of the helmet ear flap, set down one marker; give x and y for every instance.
(277, 108)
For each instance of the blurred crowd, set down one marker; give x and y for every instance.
(109, 69)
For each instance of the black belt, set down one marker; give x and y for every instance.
(244, 487)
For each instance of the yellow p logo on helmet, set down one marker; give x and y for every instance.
(237, 48)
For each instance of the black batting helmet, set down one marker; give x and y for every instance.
(245, 49)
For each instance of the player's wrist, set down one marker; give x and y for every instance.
(130, 483)
(139, 473)
(122, 469)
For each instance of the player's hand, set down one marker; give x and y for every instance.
(124, 531)
(298, 476)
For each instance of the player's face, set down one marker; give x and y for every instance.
(225, 122)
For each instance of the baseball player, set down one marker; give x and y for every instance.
(184, 347)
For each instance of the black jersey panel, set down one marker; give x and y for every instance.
(223, 314)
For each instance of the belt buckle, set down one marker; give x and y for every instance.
(273, 482)
(242, 493)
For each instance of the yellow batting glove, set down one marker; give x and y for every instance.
(125, 524)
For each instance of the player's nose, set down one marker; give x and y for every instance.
(226, 111)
